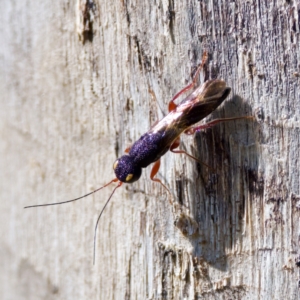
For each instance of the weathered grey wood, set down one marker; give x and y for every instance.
(79, 84)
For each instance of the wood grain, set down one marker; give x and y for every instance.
(80, 82)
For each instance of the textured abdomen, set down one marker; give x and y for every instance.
(147, 149)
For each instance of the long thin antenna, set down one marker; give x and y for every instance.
(63, 202)
(120, 183)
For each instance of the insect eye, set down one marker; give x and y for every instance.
(132, 177)
(129, 177)
(115, 164)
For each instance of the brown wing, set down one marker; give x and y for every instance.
(195, 107)
(203, 101)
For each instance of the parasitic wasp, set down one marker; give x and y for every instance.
(165, 135)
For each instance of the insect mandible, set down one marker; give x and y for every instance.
(165, 135)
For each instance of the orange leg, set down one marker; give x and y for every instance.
(192, 130)
(172, 105)
(154, 171)
(127, 150)
(176, 145)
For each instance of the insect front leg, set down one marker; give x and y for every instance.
(172, 105)
(192, 130)
(154, 171)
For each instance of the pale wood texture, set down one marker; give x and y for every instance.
(79, 83)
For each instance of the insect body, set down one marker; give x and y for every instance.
(164, 136)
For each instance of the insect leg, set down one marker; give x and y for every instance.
(192, 130)
(127, 150)
(154, 171)
(172, 105)
(176, 145)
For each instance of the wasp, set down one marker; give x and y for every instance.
(165, 135)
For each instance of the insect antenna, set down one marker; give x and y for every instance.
(63, 202)
(120, 183)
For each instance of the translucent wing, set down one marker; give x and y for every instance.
(195, 107)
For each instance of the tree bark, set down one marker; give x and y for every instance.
(80, 82)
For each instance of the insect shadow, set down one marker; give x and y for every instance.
(220, 194)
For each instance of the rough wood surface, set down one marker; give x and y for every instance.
(79, 82)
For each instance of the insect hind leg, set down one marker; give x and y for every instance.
(192, 130)
(172, 105)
